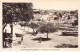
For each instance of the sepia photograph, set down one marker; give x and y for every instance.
(25, 26)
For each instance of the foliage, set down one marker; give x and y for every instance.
(23, 23)
(47, 28)
(33, 25)
(17, 12)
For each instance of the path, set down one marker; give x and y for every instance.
(29, 42)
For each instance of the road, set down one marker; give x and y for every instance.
(31, 41)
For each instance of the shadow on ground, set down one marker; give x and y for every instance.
(42, 39)
(66, 46)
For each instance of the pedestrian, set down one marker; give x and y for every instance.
(21, 38)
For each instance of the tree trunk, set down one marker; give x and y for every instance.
(4, 40)
(5, 43)
(47, 35)
(33, 32)
(28, 25)
(4, 26)
(11, 25)
(11, 28)
(36, 32)
(40, 40)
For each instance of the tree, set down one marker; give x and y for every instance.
(16, 11)
(47, 28)
(33, 26)
(8, 14)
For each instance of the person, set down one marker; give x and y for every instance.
(40, 35)
(21, 38)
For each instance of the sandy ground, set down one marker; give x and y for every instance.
(30, 41)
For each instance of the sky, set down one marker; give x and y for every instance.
(52, 4)
(56, 4)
